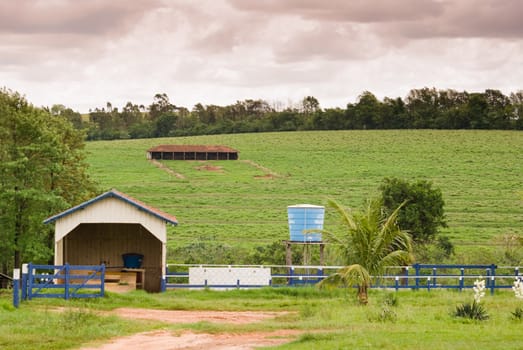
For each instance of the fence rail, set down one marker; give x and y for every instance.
(62, 281)
(416, 277)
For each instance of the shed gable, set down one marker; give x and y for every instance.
(113, 207)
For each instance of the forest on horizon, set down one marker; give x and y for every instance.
(425, 108)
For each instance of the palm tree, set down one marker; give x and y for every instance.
(370, 242)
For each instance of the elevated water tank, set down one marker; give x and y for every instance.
(304, 217)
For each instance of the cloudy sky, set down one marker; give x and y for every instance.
(84, 53)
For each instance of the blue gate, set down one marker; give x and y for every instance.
(63, 281)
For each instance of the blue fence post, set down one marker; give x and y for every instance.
(396, 283)
(102, 281)
(16, 287)
(164, 278)
(434, 274)
(66, 286)
(516, 272)
(428, 283)
(417, 268)
(407, 275)
(462, 279)
(30, 279)
(238, 284)
(493, 277)
(291, 279)
(24, 282)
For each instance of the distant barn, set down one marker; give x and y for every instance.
(192, 152)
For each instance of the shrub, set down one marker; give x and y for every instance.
(473, 311)
(517, 314)
(391, 299)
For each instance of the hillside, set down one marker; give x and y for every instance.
(243, 203)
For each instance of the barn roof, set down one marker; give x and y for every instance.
(123, 197)
(192, 148)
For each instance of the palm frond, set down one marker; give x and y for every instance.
(348, 276)
(370, 242)
(344, 213)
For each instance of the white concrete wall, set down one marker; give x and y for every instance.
(260, 276)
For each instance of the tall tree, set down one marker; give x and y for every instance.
(161, 105)
(367, 112)
(131, 114)
(74, 117)
(422, 105)
(42, 171)
(516, 100)
(499, 109)
(423, 213)
(370, 242)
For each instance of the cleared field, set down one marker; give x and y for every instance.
(243, 203)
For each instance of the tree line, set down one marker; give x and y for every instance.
(42, 171)
(426, 108)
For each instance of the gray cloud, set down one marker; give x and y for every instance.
(367, 11)
(45, 39)
(327, 41)
(408, 18)
(465, 19)
(93, 17)
(217, 51)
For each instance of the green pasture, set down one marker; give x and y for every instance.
(244, 203)
(325, 319)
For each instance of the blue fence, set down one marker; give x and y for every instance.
(62, 281)
(415, 277)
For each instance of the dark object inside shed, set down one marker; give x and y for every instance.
(132, 260)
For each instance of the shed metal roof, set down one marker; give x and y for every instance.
(192, 148)
(123, 197)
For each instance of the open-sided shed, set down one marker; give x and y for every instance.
(192, 152)
(103, 229)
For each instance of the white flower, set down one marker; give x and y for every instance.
(479, 290)
(518, 288)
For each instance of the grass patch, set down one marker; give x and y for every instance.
(328, 319)
(34, 327)
(479, 173)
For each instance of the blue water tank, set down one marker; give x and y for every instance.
(305, 217)
(132, 260)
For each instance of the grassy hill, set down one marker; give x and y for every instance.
(243, 203)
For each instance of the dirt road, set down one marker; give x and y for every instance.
(188, 340)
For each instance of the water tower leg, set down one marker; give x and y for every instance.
(288, 260)
(322, 255)
(288, 254)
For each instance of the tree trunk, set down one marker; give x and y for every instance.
(18, 231)
(363, 296)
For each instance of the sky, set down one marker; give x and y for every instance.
(85, 53)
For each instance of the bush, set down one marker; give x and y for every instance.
(473, 311)
(423, 213)
(391, 299)
(517, 314)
